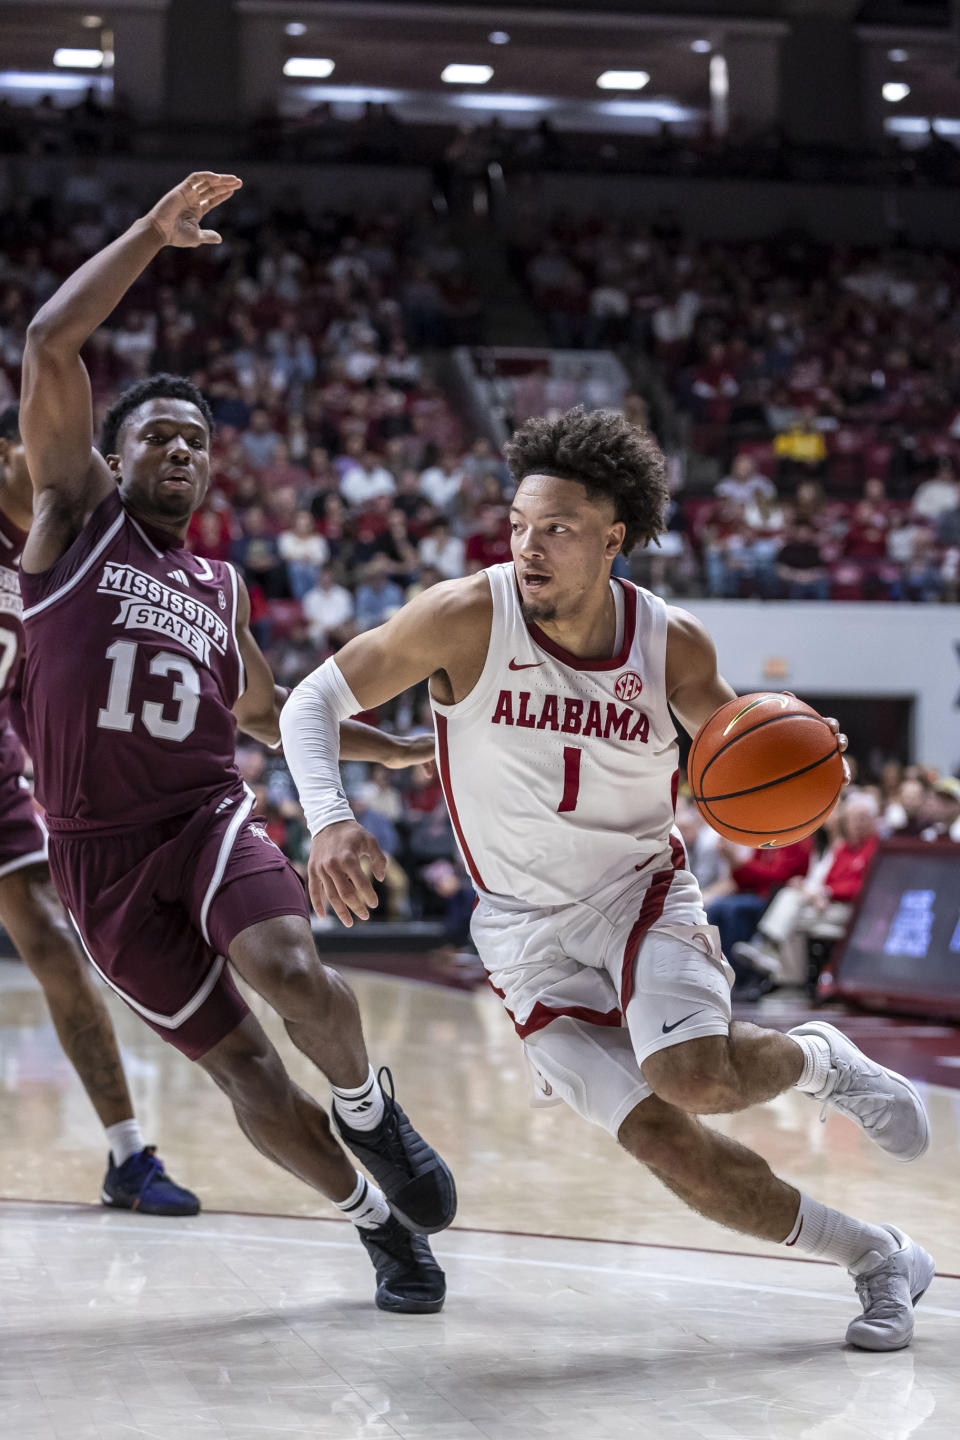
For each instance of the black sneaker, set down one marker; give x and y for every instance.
(409, 1280)
(410, 1173)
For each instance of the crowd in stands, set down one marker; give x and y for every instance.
(824, 381)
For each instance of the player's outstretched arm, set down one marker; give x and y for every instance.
(56, 415)
(447, 628)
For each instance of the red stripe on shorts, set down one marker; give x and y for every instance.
(541, 1015)
(650, 912)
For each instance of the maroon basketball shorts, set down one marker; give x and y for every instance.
(157, 908)
(23, 838)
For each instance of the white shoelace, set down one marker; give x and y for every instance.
(869, 1108)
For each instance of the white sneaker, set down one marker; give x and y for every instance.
(884, 1104)
(888, 1292)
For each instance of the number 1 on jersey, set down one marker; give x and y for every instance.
(571, 778)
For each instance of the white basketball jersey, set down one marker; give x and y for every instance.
(560, 775)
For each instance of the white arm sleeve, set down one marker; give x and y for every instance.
(310, 730)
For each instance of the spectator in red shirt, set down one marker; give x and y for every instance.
(754, 876)
(490, 544)
(818, 904)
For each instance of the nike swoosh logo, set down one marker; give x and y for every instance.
(782, 700)
(665, 1028)
(534, 665)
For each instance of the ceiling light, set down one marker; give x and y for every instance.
(305, 68)
(897, 56)
(701, 47)
(895, 91)
(498, 37)
(296, 27)
(623, 79)
(92, 22)
(466, 74)
(69, 59)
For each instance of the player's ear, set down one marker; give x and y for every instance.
(114, 462)
(615, 538)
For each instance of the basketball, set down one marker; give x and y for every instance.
(765, 770)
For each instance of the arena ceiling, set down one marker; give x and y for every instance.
(556, 47)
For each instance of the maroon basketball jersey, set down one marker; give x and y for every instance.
(12, 541)
(132, 666)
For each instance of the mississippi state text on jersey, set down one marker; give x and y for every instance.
(560, 775)
(132, 667)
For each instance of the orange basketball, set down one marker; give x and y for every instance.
(765, 770)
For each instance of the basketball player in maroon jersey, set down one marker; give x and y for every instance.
(552, 687)
(31, 913)
(139, 666)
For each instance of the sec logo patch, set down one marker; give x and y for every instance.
(628, 685)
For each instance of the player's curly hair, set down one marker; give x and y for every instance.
(169, 387)
(602, 451)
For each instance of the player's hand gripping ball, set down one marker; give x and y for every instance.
(765, 770)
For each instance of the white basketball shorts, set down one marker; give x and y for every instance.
(596, 986)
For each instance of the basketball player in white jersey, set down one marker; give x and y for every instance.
(552, 687)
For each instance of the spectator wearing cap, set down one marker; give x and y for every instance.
(943, 810)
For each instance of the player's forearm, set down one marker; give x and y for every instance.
(264, 724)
(364, 742)
(92, 293)
(310, 726)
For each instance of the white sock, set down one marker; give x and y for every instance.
(831, 1235)
(816, 1063)
(124, 1140)
(366, 1206)
(362, 1107)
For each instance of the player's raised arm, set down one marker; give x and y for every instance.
(446, 629)
(56, 416)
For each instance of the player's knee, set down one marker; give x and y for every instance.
(48, 948)
(657, 1134)
(692, 1077)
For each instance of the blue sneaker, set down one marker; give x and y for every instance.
(142, 1184)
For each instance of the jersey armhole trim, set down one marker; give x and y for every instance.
(241, 668)
(105, 540)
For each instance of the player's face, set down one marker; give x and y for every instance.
(563, 543)
(164, 464)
